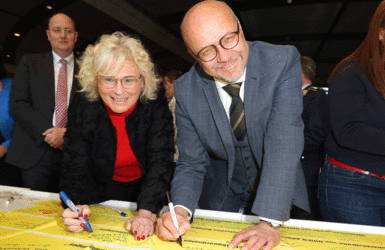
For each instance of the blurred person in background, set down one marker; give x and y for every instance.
(316, 120)
(9, 175)
(168, 81)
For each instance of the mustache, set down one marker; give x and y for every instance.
(229, 62)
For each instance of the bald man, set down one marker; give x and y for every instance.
(240, 132)
(38, 138)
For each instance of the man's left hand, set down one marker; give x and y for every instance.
(256, 237)
(55, 137)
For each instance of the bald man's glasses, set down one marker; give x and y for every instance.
(229, 41)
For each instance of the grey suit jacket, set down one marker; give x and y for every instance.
(32, 102)
(273, 107)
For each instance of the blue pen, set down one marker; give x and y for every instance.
(71, 205)
(119, 212)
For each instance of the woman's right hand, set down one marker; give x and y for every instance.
(3, 151)
(71, 220)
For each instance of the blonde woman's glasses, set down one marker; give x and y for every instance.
(110, 82)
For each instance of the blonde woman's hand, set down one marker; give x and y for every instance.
(71, 220)
(142, 225)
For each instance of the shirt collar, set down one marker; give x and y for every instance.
(305, 86)
(69, 59)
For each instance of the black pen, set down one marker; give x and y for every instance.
(173, 216)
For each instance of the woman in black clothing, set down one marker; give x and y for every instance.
(351, 184)
(119, 140)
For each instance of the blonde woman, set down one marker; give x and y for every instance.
(119, 142)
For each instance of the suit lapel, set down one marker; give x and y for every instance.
(49, 76)
(252, 100)
(221, 122)
(75, 83)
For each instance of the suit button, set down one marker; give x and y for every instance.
(220, 200)
(227, 183)
(248, 168)
(246, 158)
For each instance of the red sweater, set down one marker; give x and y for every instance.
(127, 167)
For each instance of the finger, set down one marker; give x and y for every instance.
(162, 232)
(139, 228)
(129, 225)
(74, 223)
(84, 209)
(67, 213)
(250, 243)
(148, 229)
(76, 229)
(184, 227)
(48, 131)
(169, 225)
(270, 245)
(237, 239)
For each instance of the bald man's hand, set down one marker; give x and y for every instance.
(165, 228)
(256, 237)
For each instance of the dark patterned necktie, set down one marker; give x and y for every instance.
(61, 116)
(237, 113)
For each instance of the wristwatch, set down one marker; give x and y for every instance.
(273, 225)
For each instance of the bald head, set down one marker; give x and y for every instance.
(205, 26)
(62, 34)
(204, 13)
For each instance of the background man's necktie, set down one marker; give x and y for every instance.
(237, 113)
(61, 109)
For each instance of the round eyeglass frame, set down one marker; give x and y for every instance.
(220, 43)
(119, 80)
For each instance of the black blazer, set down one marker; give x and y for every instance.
(90, 151)
(32, 102)
(316, 119)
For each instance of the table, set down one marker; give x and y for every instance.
(33, 221)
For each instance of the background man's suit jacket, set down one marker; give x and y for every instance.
(33, 103)
(273, 107)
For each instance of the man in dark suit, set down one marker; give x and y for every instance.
(42, 90)
(316, 119)
(235, 158)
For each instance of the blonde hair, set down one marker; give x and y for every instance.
(107, 57)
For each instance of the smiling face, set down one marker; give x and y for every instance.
(205, 25)
(62, 35)
(120, 99)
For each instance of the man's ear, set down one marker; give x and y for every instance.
(196, 58)
(381, 35)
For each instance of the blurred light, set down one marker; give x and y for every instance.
(289, 1)
(9, 56)
(16, 34)
(49, 7)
